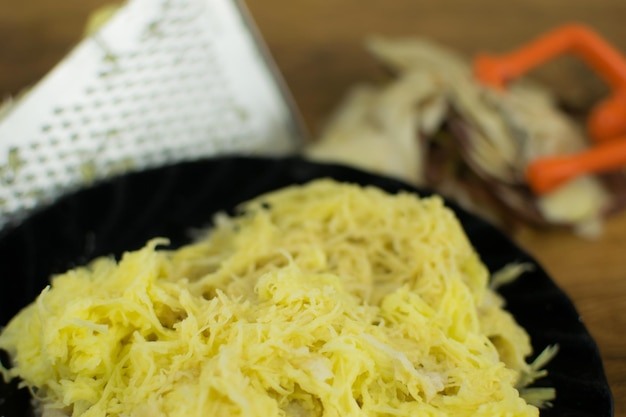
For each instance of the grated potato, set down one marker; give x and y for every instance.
(326, 299)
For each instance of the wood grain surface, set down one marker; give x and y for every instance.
(318, 46)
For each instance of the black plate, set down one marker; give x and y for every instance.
(124, 213)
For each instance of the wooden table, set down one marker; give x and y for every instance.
(318, 47)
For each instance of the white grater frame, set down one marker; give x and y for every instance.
(163, 81)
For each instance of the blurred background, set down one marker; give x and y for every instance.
(318, 47)
(318, 44)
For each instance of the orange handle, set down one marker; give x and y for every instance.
(546, 174)
(608, 119)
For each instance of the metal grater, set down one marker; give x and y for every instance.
(163, 81)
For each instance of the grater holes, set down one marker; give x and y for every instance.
(85, 120)
(161, 101)
(30, 177)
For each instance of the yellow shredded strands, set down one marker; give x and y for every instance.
(326, 299)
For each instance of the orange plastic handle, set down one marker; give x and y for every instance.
(608, 119)
(546, 174)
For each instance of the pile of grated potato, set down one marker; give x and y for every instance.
(325, 299)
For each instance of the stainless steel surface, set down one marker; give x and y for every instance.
(162, 81)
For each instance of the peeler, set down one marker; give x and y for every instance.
(606, 123)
